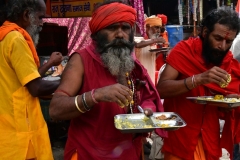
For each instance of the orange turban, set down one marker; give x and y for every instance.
(163, 17)
(111, 13)
(153, 21)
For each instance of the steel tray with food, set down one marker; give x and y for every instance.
(168, 120)
(211, 100)
(163, 49)
(139, 123)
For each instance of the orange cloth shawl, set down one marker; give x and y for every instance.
(111, 13)
(9, 26)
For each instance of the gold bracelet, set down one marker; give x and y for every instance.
(76, 104)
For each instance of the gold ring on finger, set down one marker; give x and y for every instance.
(120, 104)
(127, 103)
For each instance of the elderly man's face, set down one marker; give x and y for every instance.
(117, 35)
(115, 45)
(217, 43)
(118, 31)
(156, 29)
(153, 32)
(36, 22)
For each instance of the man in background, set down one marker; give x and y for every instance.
(143, 45)
(163, 32)
(24, 133)
(161, 58)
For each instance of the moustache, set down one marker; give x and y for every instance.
(119, 43)
(219, 52)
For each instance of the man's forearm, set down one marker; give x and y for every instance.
(43, 69)
(63, 107)
(170, 88)
(47, 87)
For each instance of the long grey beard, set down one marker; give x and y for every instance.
(33, 30)
(118, 61)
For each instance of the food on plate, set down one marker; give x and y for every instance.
(162, 117)
(218, 97)
(128, 124)
(58, 70)
(163, 125)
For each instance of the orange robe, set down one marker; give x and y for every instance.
(24, 132)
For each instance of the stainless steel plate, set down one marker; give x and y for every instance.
(227, 103)
(139, 123)
(164, 49)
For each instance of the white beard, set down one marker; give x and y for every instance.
(118, 61)
(33, 30)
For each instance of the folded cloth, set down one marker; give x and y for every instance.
(156, 150)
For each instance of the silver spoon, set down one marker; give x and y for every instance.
(140, 109)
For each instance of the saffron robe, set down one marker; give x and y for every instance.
(22, 125)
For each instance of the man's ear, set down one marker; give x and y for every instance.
(25, 15)
(205, 32)
(134, 28)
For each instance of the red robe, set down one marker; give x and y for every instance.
(186, 58)
(93, 133)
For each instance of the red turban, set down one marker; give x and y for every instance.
(112, 13)
(163, 17)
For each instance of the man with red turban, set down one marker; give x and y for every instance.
(163, 31)
(160, 61)
(101, 81)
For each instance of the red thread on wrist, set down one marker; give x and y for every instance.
(62, 91)
(92, 94)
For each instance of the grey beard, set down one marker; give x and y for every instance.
(155, 35)
(35, 39)
(33, 30)
(118, 61)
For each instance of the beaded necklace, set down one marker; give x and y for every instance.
(132, 87)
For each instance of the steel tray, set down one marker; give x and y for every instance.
(163, 49)
(139, 123)
(210, 101)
